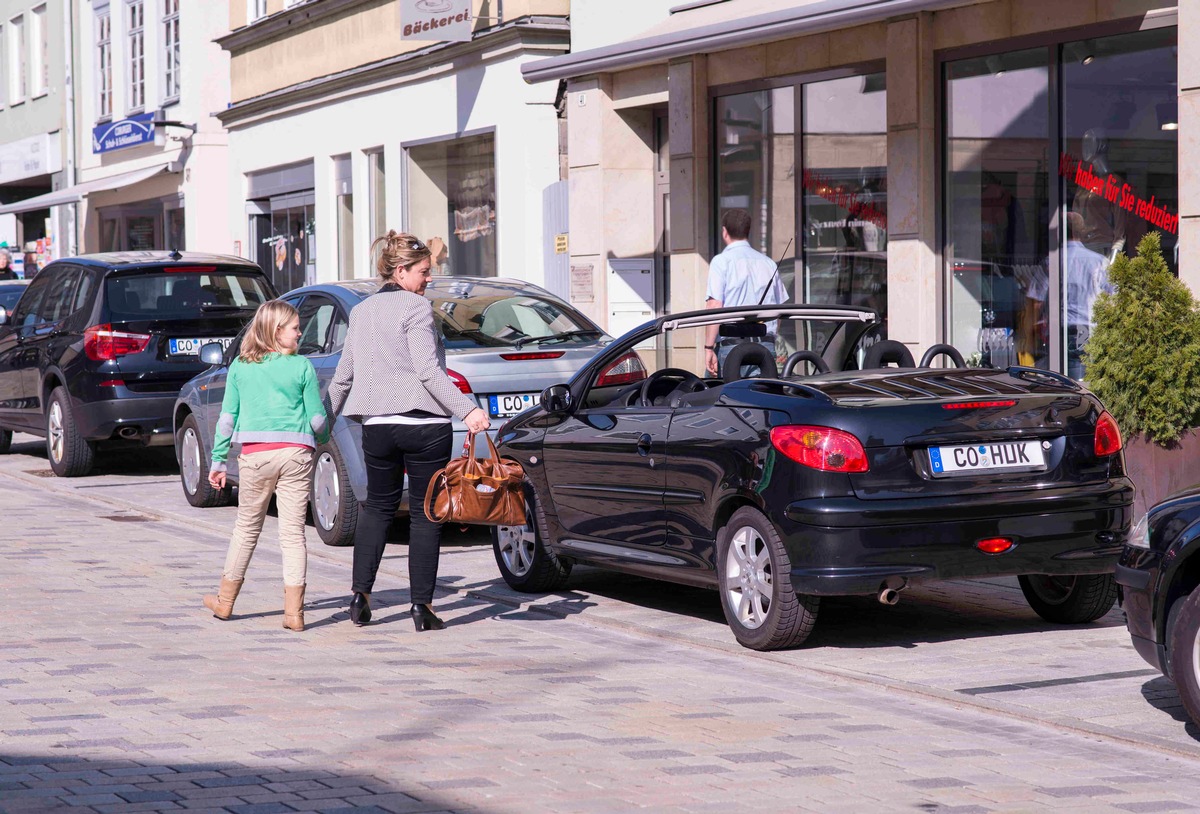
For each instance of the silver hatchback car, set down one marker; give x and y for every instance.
(506, 340)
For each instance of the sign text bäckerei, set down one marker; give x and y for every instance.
(437, 20)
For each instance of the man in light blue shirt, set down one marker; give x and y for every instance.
(739, 275)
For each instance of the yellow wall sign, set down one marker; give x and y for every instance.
(560, 244)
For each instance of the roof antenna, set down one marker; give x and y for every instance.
(175, 255)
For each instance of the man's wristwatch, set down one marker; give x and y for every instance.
(710, 347)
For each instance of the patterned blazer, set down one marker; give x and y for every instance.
(394, 361)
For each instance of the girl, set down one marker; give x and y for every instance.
(272, 407)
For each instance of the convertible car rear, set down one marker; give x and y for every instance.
(778, 489)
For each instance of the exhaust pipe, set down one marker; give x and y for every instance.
(128, 432)
(888, 596)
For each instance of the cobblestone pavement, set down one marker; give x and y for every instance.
(118, 692)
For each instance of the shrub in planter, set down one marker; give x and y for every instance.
(1143, 361)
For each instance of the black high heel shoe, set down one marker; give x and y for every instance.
(425, 619)
(360, 610)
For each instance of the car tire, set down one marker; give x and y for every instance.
(334, 507)
(194, 466)
(5, 441)
(755, 582)
(1184, 649)
(525, 562)
(1069, 599)
(71, 455)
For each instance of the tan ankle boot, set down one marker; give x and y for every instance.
(293, 607)
(221, 605)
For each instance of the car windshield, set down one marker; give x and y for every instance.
(190, 294)
(509, 321)
(9, 294)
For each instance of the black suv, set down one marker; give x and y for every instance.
(98, 346)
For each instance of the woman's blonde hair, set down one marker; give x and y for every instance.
(261, 336)
(398, 250)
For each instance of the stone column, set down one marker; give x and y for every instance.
(691, 215)
(1189, 145)
(914, 275)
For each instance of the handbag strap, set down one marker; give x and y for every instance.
(439, 478)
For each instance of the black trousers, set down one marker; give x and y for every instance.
(389, 450)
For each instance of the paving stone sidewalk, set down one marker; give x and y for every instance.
(119, 693)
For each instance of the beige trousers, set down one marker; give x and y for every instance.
(288, 474)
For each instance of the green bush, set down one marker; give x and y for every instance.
(1143, 357)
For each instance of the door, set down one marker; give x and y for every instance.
(323, 327)
(606, 469)
(14, 353)
(47, 339)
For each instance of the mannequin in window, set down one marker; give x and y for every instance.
(1107, 228)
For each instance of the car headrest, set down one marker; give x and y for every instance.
(888, 351)
(749, 353)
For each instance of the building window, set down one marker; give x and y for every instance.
(376, 192)
(818, 206)
(256, 9)
(170, 50)
(104, 64)
(1031, 226)
(452, 198)
(40, 62)
(137, 54)
(16, 60)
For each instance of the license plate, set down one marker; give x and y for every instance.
(500, 406)
(998, 456)
(191, 347)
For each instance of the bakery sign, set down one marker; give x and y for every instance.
(436, 20)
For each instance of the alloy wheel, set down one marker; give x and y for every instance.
(517, 545)
(1052, 590)
(189, 461)
(748, 580)
(327, 491)
(56, 430)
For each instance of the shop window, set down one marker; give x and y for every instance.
(997, 206)
(452, 200)
(1118, 164)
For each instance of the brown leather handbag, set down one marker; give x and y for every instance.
(485, 491)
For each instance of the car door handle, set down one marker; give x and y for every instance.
(643, 444)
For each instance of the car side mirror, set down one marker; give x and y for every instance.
(556, 399)
(212, 354)
(3, 315)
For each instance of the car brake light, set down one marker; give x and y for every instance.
(102, 344)
(460, 381)
(822, 448)
(522, 357)
(1107, 440)
(995, 545)
(627, 369)
(970, 405)
(189, 269)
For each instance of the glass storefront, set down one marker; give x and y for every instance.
(823, 200)
(452, 202)
(1057, 160)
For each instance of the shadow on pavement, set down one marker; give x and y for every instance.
(1161, 694)
(34, 783)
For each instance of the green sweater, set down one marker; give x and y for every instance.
(273, 401)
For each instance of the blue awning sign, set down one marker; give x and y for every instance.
(118, 135)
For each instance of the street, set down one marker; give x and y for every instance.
(119, 692)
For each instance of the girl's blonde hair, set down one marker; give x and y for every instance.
(261, 336)
(399, 250)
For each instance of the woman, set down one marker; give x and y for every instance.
(392, 375)
(6, 272)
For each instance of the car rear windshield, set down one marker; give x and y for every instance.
(512, 321)
(187, 294)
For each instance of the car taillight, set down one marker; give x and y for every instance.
(102, 344)
(822, 448)
(628, 368)
(1107, 440)
(531, 355)
(460, 381)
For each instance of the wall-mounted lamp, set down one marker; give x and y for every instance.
(161, 123)
(1168, 115)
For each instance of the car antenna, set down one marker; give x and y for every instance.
(175, 255)
(776, 274)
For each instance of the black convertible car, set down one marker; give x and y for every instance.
(833, 476)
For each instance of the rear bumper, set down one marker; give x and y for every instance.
(150, 416)
(851, 546)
